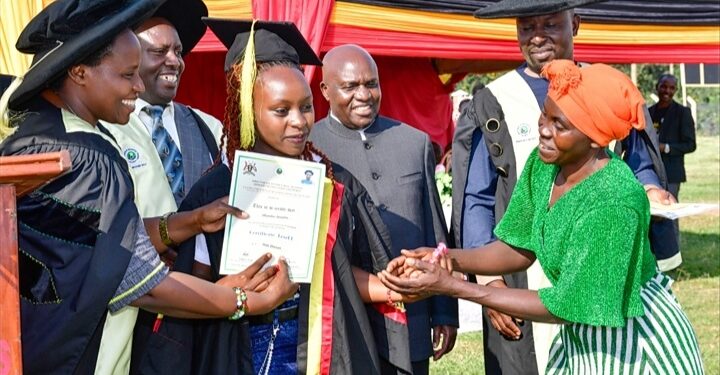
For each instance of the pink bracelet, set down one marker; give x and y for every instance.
(439, 251)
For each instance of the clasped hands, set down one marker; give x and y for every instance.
(420, 273)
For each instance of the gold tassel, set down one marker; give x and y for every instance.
(9, 121)
(247, 83)
(6, 127)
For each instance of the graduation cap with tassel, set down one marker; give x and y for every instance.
(250, 42)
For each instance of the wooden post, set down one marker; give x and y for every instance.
(18, 175)
(10, 358)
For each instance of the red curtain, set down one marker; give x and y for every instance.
(202, 85)
(312, 18)
(203, 82)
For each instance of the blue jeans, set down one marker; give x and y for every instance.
(282, 358)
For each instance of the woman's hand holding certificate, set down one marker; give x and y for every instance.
(270, 287)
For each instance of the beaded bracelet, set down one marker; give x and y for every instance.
(163, 228)
(240, 304)
(439, 251)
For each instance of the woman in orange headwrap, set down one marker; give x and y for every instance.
(578, 209)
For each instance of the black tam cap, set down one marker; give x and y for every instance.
(186, 16)
(68, 31)
(274, 41)
(528, 8)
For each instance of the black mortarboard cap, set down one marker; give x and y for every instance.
(186, 16)
(528, 8)
(274, 41)
(68, 31)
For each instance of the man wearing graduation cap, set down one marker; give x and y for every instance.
(167, 145)
(493, 139)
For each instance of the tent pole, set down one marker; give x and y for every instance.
(682, 84)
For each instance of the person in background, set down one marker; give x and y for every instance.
(579, 210)
(84, 251)
(676, 131)
(395, 163)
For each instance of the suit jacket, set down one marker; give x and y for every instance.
(199, 139)
(677, 129)
(396, 165)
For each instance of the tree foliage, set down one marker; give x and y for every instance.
(707, 98)
(471, 80)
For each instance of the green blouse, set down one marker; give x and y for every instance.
(592, 243)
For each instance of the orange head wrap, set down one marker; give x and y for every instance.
(598, 100)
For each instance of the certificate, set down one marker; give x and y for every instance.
(678, 210)
(284, 200)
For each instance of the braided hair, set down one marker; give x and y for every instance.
(231, 122)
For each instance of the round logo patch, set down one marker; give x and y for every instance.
(523, 129)
(131, 155)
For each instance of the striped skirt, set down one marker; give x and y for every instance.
(660, 342)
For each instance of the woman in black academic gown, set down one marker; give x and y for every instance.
(358, 319)
(84, 252)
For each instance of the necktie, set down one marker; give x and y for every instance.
(167, 149)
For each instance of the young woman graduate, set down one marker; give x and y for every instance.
(84, 252)
(345, 320)
(579, 210)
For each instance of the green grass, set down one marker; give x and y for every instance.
(698, 279)
(697, 285)
(466, 358)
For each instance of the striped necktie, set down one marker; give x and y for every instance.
(167, 149)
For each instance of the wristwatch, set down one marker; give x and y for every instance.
(666, 149)
(163, 229)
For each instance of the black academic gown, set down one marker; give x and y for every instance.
(220, 346)
(75, 236)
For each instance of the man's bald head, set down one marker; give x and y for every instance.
(351, 85)
(340, 55)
